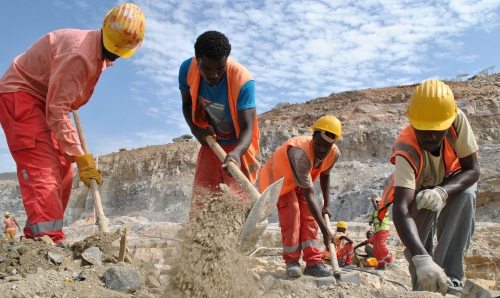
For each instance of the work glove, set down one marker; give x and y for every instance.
(430, 277)
(433, 199)
(87, 169)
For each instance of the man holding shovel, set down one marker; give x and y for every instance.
(218, 99)
(56, 75)
(301, 160)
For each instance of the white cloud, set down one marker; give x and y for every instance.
(303, 49)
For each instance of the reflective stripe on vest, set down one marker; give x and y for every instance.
(279, 166)
(47, 226)
(237, 75)
(407, 146)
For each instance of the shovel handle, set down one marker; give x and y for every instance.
(233, 169)
(100, 217)
(333, 253)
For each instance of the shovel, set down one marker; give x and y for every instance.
(352, 277)
(100, 217)
(261, 204)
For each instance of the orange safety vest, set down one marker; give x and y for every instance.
(237, 75)
(279, 166)
(407, 146)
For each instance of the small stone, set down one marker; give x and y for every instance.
(22, 250)
(55, 258)
(13, 254)
(46, 239)
(93, 255)
(152, 281)
(122, 279)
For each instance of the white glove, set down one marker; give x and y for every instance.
(433, 199)
(430, 276)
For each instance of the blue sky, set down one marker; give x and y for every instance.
(297, 50)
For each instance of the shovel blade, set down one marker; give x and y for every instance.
(256, 221)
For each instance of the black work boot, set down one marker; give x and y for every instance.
(318, 270)
(293, 269)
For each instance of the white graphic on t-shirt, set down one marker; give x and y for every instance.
(217, 114)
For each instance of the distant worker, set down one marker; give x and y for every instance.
(368, 244)
(11, 226)
(301, 160)
(218, 99)
(381, 233)
(343, 245)
(55, 76)
(434, 186)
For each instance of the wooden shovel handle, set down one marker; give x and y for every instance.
(233, 169)
(331, 248)
(101, 218)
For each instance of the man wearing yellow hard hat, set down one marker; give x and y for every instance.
(301, 160)
(343, 245)
(434, 187)
(56, 75)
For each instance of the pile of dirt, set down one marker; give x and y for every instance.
(38, 268)
(208, 264)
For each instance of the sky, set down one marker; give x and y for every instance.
(296, 50)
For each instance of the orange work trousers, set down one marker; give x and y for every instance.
(380, 248)
(45, 175)
(299, 230)
(345, 254)
(10, 234)
(208, 175)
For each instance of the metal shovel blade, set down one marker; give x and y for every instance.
(256, 222)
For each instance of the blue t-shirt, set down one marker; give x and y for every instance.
(215, 102)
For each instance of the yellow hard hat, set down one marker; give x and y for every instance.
(372, 262)
(329, 123)
(342, 224)
(123, 29)
(432, 106)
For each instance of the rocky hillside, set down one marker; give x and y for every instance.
(155, 182)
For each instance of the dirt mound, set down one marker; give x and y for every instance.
(208, 264)
(36, 268)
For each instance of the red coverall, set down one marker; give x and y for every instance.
(37, 93)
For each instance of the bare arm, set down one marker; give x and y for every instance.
(245, 120)
(316, 213)
(324, 181)
(198, 132)
(405, 225)
(468, 175)
(360, 245)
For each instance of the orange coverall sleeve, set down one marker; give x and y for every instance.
(68, 77)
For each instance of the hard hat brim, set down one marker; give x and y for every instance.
(123, 53)
(337, 137)
(443, 125)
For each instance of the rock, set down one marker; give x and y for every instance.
(267, 282)
(2, 258)
(46, 239)
(22, 249)
(93, 255)
(152, 281)
(13, 254)
(122, 279)
(55, 258)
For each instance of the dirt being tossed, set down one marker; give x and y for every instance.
(208, 264)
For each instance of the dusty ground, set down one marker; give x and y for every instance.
(200, 260)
